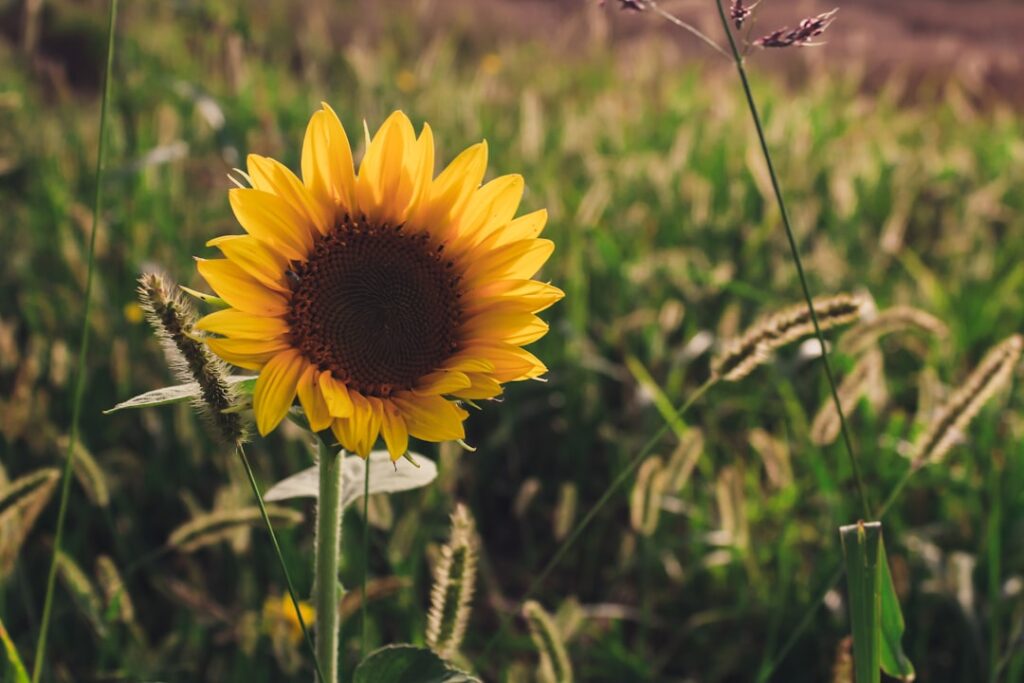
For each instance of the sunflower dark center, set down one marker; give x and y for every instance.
(375, 305)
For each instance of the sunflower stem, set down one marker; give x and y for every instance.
(328, 542)
(83, 347)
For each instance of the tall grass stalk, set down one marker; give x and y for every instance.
(80, 370)
(280, 558)
(366, 557)
(776, 188)
(328, 542)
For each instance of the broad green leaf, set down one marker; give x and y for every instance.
(179, 393)
(408, 664)
(862, 543)
(16, 672)
(385, 477)
(894, 661)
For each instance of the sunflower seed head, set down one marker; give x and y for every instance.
(173, 319)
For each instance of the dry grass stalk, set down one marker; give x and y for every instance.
(741, 355)
(864, 334)
(221, 525)
(992, 374)
(83, 593)
(454, 583)
(117, 599)
(774, 453)
(565, 510)
(683, 459)
(554, 661)
(173, 319)
(21, 502)
(88, 473)
(866, 379)
(645, 499)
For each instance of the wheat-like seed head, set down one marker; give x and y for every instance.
(555, 666)
(867, 378)
(173, 319)
(454, 583)
(864, 334)
(992, 374)
(645, 499)
(741, 355)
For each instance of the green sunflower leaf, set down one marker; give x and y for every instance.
(408, 664)
(245, 384)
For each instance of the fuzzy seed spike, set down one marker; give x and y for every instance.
(555, 666)
(454, 583)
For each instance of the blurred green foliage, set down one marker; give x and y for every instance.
(666, 233)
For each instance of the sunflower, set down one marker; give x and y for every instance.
(382, 299)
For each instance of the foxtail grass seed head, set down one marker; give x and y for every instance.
(220, 525)
(774, 453)
(83, 593)
(454, 583)
(21, 502)
(565, 510)
(741, 355)
(554, 661)
(118, 602)
(993, 373)
(866, 379)
(645, 499)
(173, 319)
(683, 459)
(801, 36)
(864, 334)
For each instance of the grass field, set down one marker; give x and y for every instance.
(668, 241)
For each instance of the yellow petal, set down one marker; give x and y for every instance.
(467, 363)
(490, 208)
(384, 185)
(431, 418)
(442, 382)
(525, 227)
(421, 165)
(312, 399)
(343, 432)
(237, 324)
(327, 161)
(530, 295)
(505, 323)
(510, 362)
(239, 289)
(452, 188)
(481, 386)
(275, 389)
(251, 354)
(364, 424)
(274, 177)
(515, 261)
(255, 258)
(272, 221)
(335, 393)
(394, 430)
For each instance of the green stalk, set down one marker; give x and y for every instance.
(366, 556)
(328, 542)
(80, 371)
(776, 188)
(280, 559)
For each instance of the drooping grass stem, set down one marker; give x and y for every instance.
(83, 346)
(328, 543)
(280, 559)
(777, 190)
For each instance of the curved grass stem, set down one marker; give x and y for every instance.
(280, 559)
(777, 190)
(80, 370)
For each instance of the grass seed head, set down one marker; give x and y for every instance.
(454, 583)
(173, 319)
(805, 32)
(21, 503)
(554, 661)
(865, 333)
(867, 378)
(742, 355)
(993, 373)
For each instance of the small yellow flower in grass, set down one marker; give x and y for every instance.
(380, 298)
(280, 617)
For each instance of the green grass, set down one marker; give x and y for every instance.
(658, 200)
